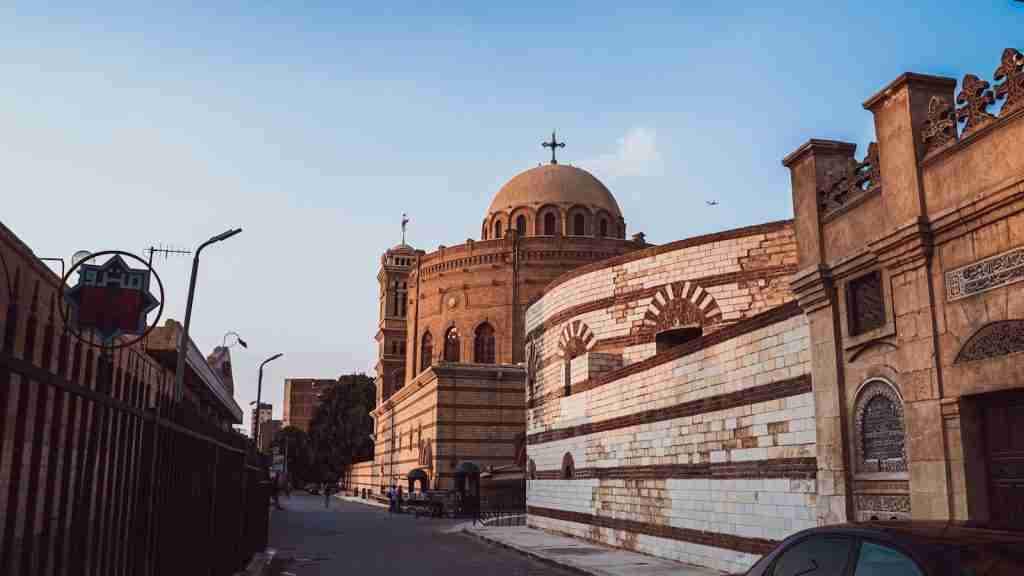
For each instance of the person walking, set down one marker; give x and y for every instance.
(327, 495)
(398, 501)
(391, 499)
(275, 491)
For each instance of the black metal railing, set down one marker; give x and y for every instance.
(100, 473)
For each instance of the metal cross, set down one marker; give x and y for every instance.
(553, 144)
(405, 220)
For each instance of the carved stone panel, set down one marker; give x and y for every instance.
(879, 430)
(988, 274)
(992, 340)
(882, 507)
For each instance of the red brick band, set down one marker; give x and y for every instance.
(765, 228)
(762, 320)
(788, 468)
(763, 393)
(714, 539)
(639, 294)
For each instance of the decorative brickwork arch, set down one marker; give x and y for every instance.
(679, 305)
(575, 339)
(992, 340)
(568, 467)
(426, 454)
(879, 432)
(426, 351)
(483, 344)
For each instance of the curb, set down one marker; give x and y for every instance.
(260, 563)
(535, 555)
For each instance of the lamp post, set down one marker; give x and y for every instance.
(179, 373)
(238, 339)
(259, 395)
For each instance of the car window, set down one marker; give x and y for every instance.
(875, 560)
(814, 556)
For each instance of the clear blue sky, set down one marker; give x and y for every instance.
(315, 127)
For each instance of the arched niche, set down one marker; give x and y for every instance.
(879, 434)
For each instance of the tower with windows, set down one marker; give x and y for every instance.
(393, 280)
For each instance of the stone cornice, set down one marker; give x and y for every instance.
(908, 78)
(979, 211)
(812, 287)
(831, 147)
(909, 244)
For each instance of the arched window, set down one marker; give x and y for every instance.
(549, 224)
(568, 467)
(483, 344)
(604, 227)
(397, 380)
(579, 225)
(497, 229)
(521, 225)
(451, 345)
(426, 351)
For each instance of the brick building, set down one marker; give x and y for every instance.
(911, 263)
(450, 382)
(669, 400)
(301, 397)
(704, 399)
(259, 415)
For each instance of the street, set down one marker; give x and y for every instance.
(352, 538)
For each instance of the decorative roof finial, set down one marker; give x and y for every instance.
(405, 221)
(553, 144)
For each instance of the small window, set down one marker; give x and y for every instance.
(671, 338)
(875, 560)
(497, 229)
(426, 351)
(865, 303)
(604, 227)
(483, 344)
(549, 224)
(451, 345)
(815, 556)
(521, 225)
(579, 225)
(568, 467)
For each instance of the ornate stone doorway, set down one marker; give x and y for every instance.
(1002, 424)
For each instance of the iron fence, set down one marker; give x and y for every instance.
(500, 517)
(101, 473)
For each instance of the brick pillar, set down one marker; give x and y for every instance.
(904, 249)
(809, 167)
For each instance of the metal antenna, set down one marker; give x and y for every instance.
(165, 252)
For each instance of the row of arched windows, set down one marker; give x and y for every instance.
(550, 227)
(483, 346)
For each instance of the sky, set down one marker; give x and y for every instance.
(313, 127)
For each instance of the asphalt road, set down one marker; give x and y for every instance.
(351, 538)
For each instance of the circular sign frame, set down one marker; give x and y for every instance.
(78, 334)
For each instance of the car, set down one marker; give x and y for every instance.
(896, 548)
(313, 488)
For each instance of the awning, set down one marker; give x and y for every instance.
(417, 474)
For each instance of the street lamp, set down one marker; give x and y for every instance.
(259, 395)
(223, 342)
(179, 374)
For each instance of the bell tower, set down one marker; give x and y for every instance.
(393, 279)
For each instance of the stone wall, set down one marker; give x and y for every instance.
(361, 476)
(704, 452)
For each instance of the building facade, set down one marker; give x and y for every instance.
(450, 380)
(911, 263)
(704, 399)
(669, 400)
(301, 397)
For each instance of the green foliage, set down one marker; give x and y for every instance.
(340, 430)
(295, 443)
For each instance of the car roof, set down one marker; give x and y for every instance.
(939, 533)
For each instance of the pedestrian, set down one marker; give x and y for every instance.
(398, 501)
(275, 491)
(391, 499)
(327, 496)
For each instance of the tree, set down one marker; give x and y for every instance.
(295, 443)
(341, 426)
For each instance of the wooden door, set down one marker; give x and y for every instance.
(1003, 421)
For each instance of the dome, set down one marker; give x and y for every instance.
(554, 184)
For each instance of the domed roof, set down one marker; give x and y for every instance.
(554, 184)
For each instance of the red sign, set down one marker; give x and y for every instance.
(111, 299)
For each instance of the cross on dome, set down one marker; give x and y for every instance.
(553, 144)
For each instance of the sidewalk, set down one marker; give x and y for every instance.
(357, 500)
(582, 556)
